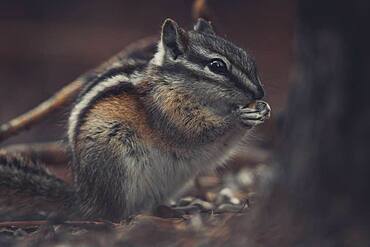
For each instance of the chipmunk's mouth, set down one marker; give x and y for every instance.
(260, 106)
(263, 107)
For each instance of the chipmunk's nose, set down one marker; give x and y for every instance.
(260, 93)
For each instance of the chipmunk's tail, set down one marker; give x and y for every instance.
(26, 188)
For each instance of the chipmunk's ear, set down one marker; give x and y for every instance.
(204, 26)
(173, 38)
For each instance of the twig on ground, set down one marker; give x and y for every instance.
(54, 153)
(37, 223)
(33, 223)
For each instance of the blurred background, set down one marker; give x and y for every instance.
(319, 188)
(46, 44)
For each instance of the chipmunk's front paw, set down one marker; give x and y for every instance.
(255, 114)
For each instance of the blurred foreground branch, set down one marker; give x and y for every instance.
(201, 10)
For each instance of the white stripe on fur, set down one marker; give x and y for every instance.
(85, 102)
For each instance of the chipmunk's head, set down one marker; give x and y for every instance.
(213, 69)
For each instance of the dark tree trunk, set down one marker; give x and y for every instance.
(321, 194)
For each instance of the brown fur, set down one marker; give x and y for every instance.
(131, 109)
(126, 108)
(188, 115)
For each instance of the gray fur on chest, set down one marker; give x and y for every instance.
(118, 176)
(159, 175)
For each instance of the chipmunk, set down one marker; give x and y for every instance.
(150, 123)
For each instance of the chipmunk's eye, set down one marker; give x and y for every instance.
(217, 66)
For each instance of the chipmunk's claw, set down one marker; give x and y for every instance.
(251, 117)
